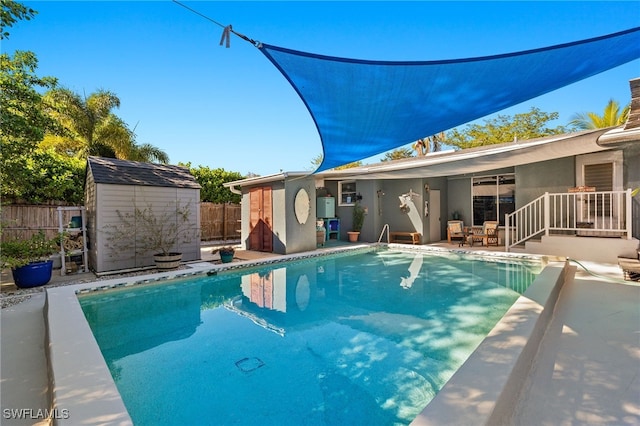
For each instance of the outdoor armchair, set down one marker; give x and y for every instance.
(487, 234)
(455, 230)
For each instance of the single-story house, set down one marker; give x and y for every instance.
(535, 189)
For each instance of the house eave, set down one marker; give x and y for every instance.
(619, 136)
(260, 180)
(478, 160)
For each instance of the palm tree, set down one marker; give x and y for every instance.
(147, 153)
(612, 116)
(429, 144)
(421, 147)
(87, 126)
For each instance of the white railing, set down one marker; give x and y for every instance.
(385, 227)
(603, 213)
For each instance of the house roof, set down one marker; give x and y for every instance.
(259, 180)
(459, 163)
(125, 172)
(480, 159)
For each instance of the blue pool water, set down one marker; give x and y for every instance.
(366, 338)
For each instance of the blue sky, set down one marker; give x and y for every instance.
(231, 108)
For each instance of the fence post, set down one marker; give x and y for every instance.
(628, 213)
(547, 213)
(224, 222)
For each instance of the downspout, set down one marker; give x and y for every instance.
(234, 190)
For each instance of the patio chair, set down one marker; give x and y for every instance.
(455, 230)
(487, 234)
(491, 233)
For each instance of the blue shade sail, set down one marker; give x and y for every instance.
(362, 108)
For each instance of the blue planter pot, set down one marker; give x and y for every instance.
(226, 257)
(33, 275)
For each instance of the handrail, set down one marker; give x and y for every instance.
(606, 212)
(526, 222)
(386, 226)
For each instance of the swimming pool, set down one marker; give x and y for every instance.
(366, 338)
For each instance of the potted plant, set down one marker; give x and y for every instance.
(226, 254)
(157, 231)
(321, 232)
(29, 259)
(358, 221)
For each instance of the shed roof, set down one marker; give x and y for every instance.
(125, 172)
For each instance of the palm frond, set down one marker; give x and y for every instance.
(149, 153)
(611, 116)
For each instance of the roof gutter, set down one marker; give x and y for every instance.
(234, 190)
(619, 136)
(259, 180)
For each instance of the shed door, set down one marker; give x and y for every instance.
(260, 219)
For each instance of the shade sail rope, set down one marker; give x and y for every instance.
(227, 29)
(362, 108)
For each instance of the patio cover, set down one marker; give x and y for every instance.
(362, 108)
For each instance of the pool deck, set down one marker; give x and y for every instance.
(587, 369)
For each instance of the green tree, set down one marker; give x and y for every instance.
(27, 173)
(316, 161)
(22, 111)
(12, 12)
(89, 127)
(397, 154)
(35, 177)
(148, 153)
(505, 128)
(349, 165)
(212, 180)
(612, 116)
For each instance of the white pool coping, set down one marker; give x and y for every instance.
(482, 391)
(486, 388)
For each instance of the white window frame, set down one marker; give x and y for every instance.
(614, 157)
(352, 194)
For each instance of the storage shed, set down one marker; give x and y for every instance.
(119, 186)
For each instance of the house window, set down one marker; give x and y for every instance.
(493, 198)
(347, 193)
(603, 171)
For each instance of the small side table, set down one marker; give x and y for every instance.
(468, 237)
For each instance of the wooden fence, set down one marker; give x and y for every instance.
(220, 221)
(217, 221)
(22, 221)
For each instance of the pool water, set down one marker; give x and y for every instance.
(366, 338)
